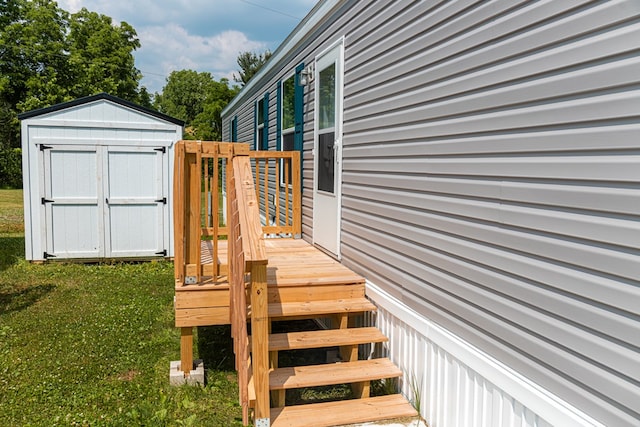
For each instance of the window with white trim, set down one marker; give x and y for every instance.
(287, 118)
(259, 123)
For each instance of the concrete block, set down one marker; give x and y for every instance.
(177, 377)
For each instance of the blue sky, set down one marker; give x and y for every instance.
(201, 35)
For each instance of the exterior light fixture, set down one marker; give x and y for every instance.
(306, 76)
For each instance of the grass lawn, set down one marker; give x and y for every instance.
(91, 344)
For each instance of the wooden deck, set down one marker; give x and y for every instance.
(240, 278)
(294, 262)
(297, 273)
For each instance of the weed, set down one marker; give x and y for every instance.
(416, 391)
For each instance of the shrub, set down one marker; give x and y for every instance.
(10, 168)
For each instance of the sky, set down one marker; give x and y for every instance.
(200, 35)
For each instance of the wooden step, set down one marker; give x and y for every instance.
(344, 412)
(324, 338)
(332, 373)
(319, 308)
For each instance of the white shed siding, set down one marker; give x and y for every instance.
(130, 149)
(491, 184)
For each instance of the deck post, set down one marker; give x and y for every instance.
(260, 341)
(186, 350)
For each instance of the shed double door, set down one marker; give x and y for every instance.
(103, 201)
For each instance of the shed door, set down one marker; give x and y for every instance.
(135, 199)
(72, 205)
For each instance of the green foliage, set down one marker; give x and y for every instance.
(10, 157)
(33, 45)
(250, 63)
(197, 99)
(48, 56)
(101, 56)
(90, 344)
(10, 167)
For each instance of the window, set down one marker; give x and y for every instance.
(261, 137)
(288, 113)
(287, 124)
(233, 129)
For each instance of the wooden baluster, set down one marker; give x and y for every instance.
(276, 196)
(215, 199)
(297, 193)
(266, 192)
(205, 172)
(287, 183)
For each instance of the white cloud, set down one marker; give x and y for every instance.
(170, 48)
(203, 35)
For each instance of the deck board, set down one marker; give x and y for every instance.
(292, 262)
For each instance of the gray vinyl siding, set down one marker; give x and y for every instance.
(491, 179)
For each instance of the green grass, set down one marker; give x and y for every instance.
(90, 344)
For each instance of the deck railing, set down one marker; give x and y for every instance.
(277, 177)
(203, 171)
(200, 184)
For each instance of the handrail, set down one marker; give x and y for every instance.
(247, 247)
(252, 235)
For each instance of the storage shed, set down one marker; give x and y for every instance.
(97, 175)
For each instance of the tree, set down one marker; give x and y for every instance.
(48, 56)
(250, 63)
(197, 99)
(101, 56)
(33, 45)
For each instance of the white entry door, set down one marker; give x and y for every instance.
(71, 202)
(135, 199)
(328, 150)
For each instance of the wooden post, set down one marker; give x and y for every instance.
(277, 396)
(349, 353)
(186, 350)
(178, 211)
(260, 340)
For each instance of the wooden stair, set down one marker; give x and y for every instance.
(332, 374)
(312, 309)
(330, 414)
(350, 370)
(325, 338)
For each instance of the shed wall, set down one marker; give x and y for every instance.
(491, 178)
(111, 134)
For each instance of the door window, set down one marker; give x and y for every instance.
(326, 129)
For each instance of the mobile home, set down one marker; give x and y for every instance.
(477, 163)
